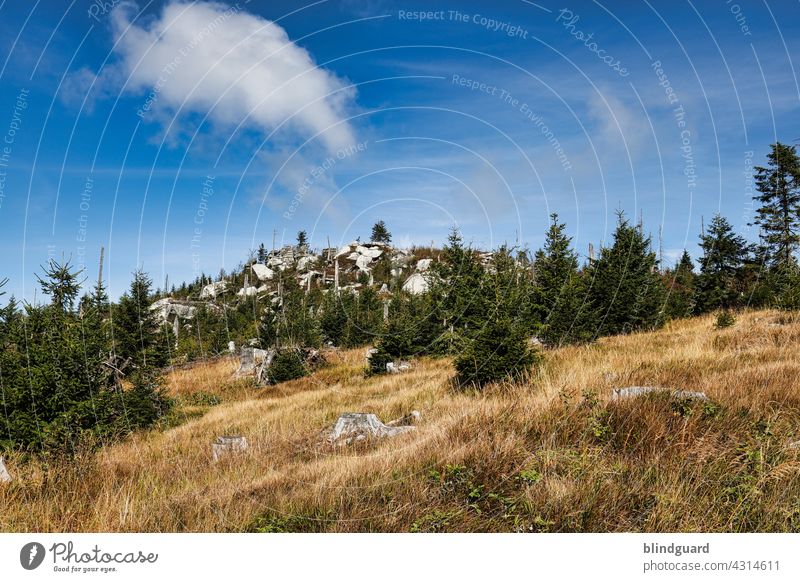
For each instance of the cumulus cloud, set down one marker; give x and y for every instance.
(210, 58)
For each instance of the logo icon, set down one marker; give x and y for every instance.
(32, 555)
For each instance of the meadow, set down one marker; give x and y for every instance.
(550, 453)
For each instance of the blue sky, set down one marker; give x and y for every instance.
(180, 135)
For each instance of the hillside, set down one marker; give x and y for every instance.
(552, 454)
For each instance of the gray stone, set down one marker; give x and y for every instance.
(690, 394)
(228, 445)
(633, 391)
(397, 367)
(5, 476)
(354, 427)
(232, 347)
(211, 290)
(416, 284)
(263, 272)
(249, 359)
(424, 264)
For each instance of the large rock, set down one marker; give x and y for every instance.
(372, 253)
(303, 263)
(212, 290)
(5, 477)
(247, 291)
(397, 367)
(424, 264)
(416, 284)
(249, 359)
(263, 272)
(633, 391)
(228, 445)
(363, 262)
(167, 309)
(353, 427)
(345, 250)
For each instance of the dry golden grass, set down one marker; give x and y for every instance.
(553, 454)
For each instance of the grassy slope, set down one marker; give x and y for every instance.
(551, 455)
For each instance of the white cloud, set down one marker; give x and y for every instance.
(214, 59)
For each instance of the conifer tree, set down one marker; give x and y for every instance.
(380, 234)
(719, 284)
(626, 289)
(497, 348)
(680, 283)
(778, 215)
(457, 282)
(135, 326)
(562, 313)
(302, 239)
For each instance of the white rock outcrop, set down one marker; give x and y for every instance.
(212, 290)
(423, 265)
(417, 284)
(263, 272)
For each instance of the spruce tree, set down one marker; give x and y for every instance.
(302, 240)
(380, 234)
(497, 348)
(720, 282)
(778, 215)
(680, 283)
(562, 313)
(136, 333)
(457, 282)
(626, 289)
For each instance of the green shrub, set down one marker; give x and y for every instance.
(725, 318)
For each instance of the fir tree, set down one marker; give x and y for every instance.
(719, 284)
(380, 234)
(302, 240)
(626, 289)
(778, 215)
